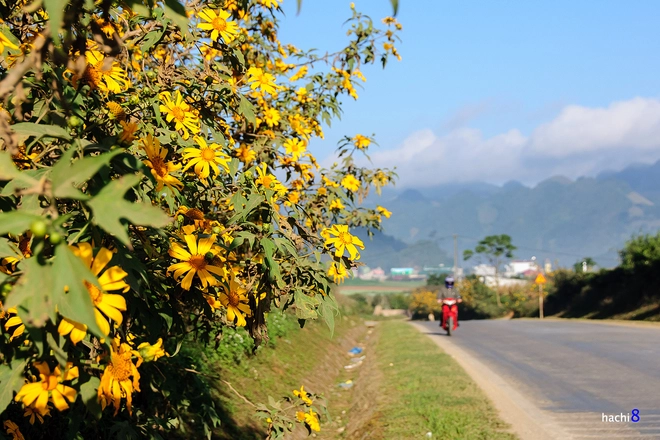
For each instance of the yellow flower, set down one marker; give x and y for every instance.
(128, 132)
(150, 352)
(116, 381)
(217, 23)
(384, 212)
(338, 272)
(343, 240)
(32, 413)
(336, 205)
(106, 304)
(361, 142)
(179, 111)
(299, 74)
(295, 147)
(261, 80)
(205, 158)
(350, 183)
(269, 3)
(330, 183)
(271, 116)
(12, 428)
(303, 395)
(310, 419)
(293, 198)
(234, 299)
(5, 42)
(246, 154)
(14, 321)
(195, 262)
(49, 388)
(265, 179)
(116, 111)
(156, 162)
(103, 75)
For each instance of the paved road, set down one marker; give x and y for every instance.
(574, 371)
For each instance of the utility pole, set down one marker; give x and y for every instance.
(455, 256)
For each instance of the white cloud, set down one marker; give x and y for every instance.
(579, 141)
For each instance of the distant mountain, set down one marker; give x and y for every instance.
(558, 219)
(387, 252)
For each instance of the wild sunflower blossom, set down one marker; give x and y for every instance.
(50, 387)
(116, 382)
(107, 306)
(295, 147)
(235, 300)
(217, 23)
(12, 429)
(160, 169)
(261, 80)
(384, 212)
(177, 110)
(338, 272)
(304, 396)
(205, 158)
(350, 183)
(195, 262)
(16, 322)
(310, 419)
(339, 236)
(361, 142)
(101, 75)
(5, 42)
(271, 116)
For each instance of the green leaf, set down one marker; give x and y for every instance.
(241, 212)
(395, 6)
(110, 207)
(16, 222)
(152, 38)
(88, 394)
(25, 180)
(55, 9)
(71, 272)
(11, 379)
(8, 170)
(273, 266)
(246, 109)
(65, 177)
(305, 306)
(327, 310)
(176, 12)
(8, 249)
(30, 129)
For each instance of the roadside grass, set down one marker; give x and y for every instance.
(295, 358)
(424, 390)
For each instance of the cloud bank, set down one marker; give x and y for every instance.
(578, 141)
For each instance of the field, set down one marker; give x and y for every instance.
(352, 287)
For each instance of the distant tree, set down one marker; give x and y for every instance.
(584, 265)
(496, 249)
(641, 251)
(436, 279)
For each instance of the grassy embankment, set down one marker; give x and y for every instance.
(405, 388)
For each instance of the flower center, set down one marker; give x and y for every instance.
(94, 292)
(120, 366)
(159, 166)
(345, 238)
(92, 76)
(233, 299)
(267, 181)
(50, 383)
(219, 24)
(198, 262)
(208, 154)
(178, 113)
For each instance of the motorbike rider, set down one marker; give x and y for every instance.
(449, 292)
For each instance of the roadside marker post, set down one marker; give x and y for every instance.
(540, 280)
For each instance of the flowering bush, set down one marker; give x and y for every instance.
(155, 181)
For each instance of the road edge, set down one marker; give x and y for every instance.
(526, 420)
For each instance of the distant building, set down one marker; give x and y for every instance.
(520, 267)
(376, 274)
(402, 271)
(484, 270)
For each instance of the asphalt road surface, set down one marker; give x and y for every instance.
(573, 371)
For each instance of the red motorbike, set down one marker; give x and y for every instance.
(449, 314)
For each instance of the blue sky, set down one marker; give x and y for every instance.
(501, 90)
